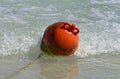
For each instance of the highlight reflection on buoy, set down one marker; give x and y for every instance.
(60, 38)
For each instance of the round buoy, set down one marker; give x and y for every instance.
(60, 38)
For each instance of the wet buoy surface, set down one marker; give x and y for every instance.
(60, 38)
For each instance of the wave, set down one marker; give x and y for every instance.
(105, 1)
(16, 43)
(22, 27)
(13, 44)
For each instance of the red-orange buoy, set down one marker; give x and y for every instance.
(60, 38)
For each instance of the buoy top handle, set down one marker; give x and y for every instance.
(70, 28)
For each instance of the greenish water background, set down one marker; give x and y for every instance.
(22, 23)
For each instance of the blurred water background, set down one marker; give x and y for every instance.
(22, 24)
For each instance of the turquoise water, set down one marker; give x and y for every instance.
(22, 24)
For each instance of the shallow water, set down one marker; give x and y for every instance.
(106, 66)
(22, 24)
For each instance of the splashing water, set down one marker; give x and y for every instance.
(22, 24)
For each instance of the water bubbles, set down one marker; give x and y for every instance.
(51, 8)
(98, 20)
(104, 14)
(17, 42)
(105, 1)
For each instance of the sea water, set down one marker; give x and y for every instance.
(22, 24)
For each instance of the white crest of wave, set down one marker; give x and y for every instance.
(97, 45)
(105, 1)
(13, 44)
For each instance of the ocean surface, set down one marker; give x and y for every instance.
(23, 22)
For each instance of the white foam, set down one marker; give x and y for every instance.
(96, 47)
(100, 27)
(104, 14)
(12, 43)
(105, 1)
(106, 41)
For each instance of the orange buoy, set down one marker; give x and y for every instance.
(60, 38)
